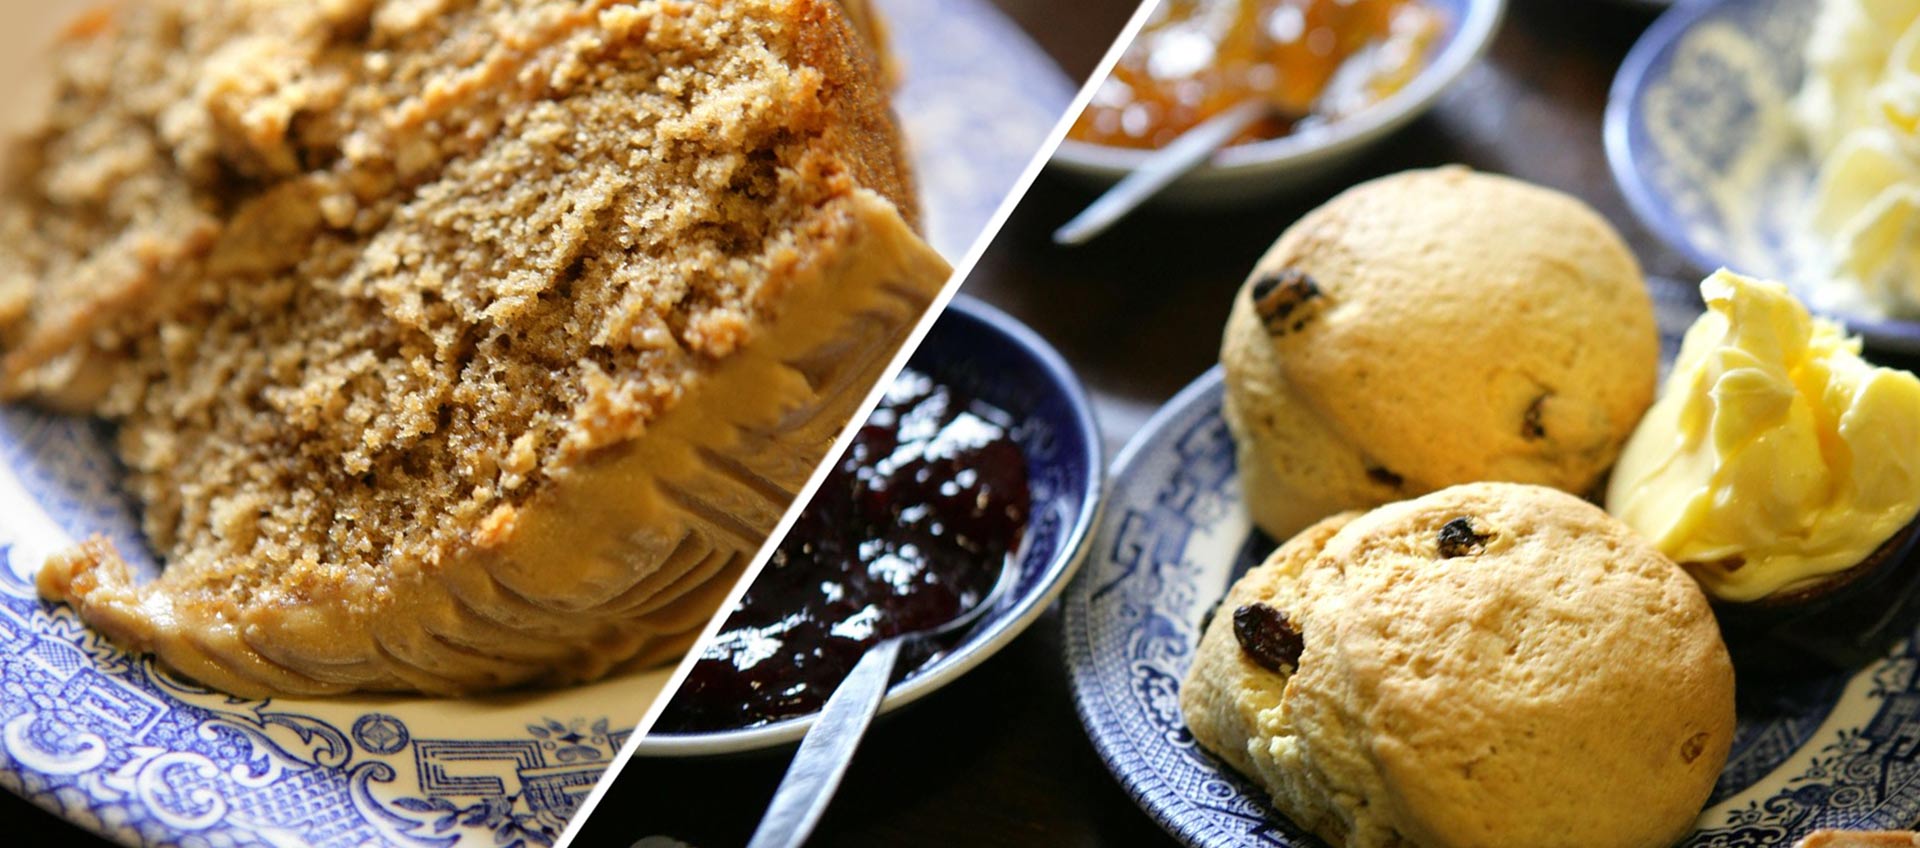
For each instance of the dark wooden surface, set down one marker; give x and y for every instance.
(998, 757)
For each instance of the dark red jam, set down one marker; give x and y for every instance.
(908, 531)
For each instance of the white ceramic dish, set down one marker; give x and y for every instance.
(1269, 167)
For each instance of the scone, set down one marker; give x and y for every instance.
(1860, 839)
(452, 346)
(1493, 664)
(1434, 328)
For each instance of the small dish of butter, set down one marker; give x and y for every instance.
(1778, 468)
(1775, 460)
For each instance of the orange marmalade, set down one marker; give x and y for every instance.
(1315, 60)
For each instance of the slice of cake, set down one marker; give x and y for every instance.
(1860, 839)
(454, 344)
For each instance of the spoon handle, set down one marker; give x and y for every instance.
(1162, 168)
(826, 751)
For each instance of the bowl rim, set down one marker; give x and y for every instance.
(1650, 205)
(1471, 40)
(1622, 117)
(1003, 329)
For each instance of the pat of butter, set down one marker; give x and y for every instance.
(1775, 455)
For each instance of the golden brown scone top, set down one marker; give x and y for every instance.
(1432, 328)
(1488, 665)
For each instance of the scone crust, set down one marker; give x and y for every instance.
(1467, 327)
(1562, 685)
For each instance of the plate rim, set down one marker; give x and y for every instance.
(1077, 647)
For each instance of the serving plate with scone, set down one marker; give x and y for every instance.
(391, 388)
(1478, 537)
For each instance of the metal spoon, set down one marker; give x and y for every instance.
(1160, 170)
(827, 749)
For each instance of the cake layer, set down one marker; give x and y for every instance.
(623, 556)
(378, 292)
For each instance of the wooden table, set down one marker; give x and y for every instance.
(999, 758)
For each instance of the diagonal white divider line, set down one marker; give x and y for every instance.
(907, 348)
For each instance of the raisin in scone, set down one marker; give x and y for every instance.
(1433, 328)
(453, 344)
(1493, 664)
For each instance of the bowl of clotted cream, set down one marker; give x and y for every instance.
(1781, 138)
(1777, 468)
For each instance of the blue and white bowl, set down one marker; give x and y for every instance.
(1700, 138)
(1266, 167)
(112, 743)
(983, 352)
(1833, 751)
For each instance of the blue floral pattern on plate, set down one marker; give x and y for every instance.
(1700, 139)
(1844, 752)
(120, 746)
(117, 745)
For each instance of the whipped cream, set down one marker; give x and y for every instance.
(1859, 110)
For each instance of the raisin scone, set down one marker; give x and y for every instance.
(1433, 328)
(1494, 664)
(453, 344)
(1860, 839)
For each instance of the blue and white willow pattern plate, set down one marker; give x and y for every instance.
(1839, 752)
(1700, 139)
(112, 743)
(983, 352)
